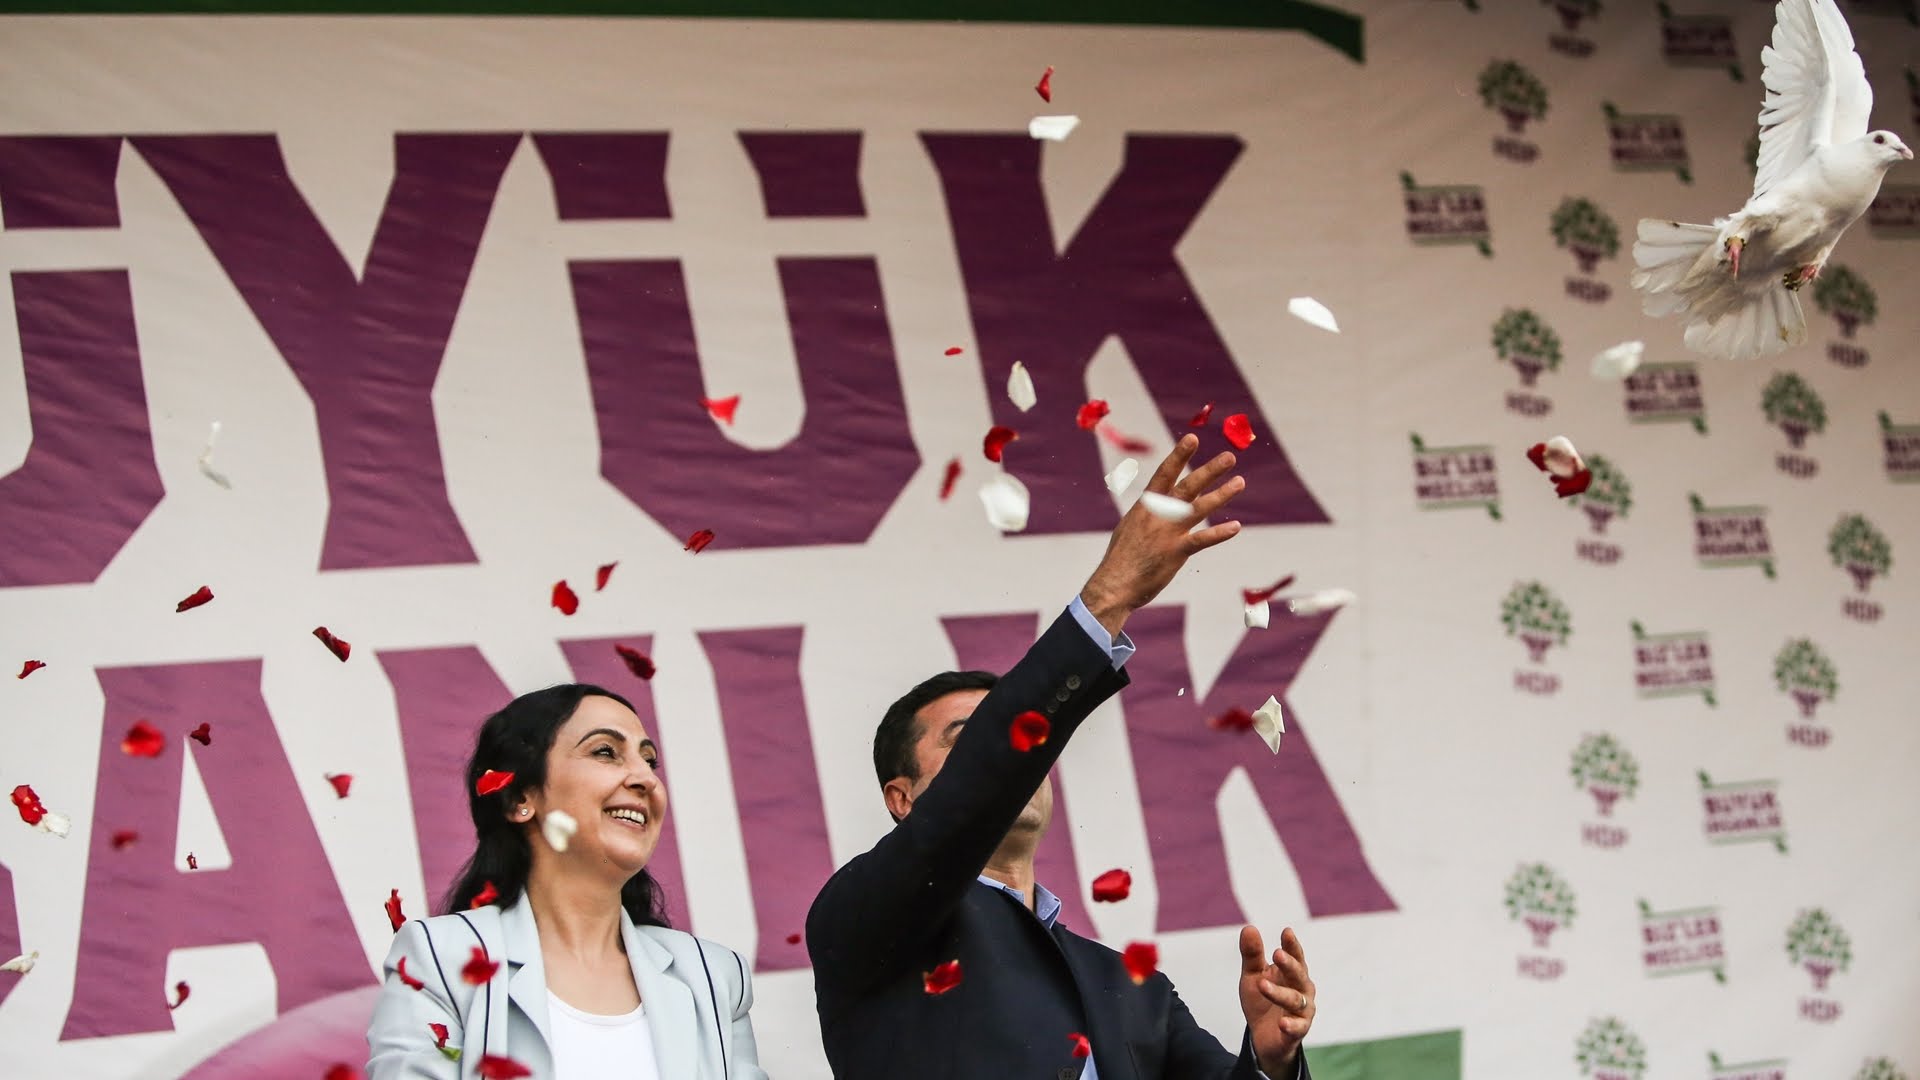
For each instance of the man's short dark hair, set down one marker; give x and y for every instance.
(899, 729)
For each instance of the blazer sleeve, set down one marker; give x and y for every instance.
(1192, 1053)
(875, 913)
(746, 1051)
(399, 1042)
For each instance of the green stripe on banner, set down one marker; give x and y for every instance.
(1340, 29)
(1432, 1056)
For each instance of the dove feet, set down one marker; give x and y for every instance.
(1797, 279)
(1734, 244)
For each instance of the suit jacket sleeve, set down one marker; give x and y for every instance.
(1192, 1054)
(399, 1042)
(876, 913)
(746, 1051)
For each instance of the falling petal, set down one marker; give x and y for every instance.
(1238, 431)
(192, 863)
(722, 409)
(1121, 441)
(1141, 959)
(123, 839)
(1166, 507)
(1112, 887)
(1200, 418)
(1255, 596)
(1270, 725)
(495, 1067)
(1091, 414)
(558, 829)
(491, 781)
(603, 575)
(1257, 615)
(1007, 501)
(1122, 475)
(143, 740)
(407, 980)
(29, 668)
(28, 803)
(487, 895)
(440, 1032)
(1568, 486)
(637, 662)
(479, 970)
(200, 596)
(951, 478)
(564, 598)
(1234, 719)
(1081, 1047)
(57, 824)
(1054, 128)
(793, 939)
(995, 444)
(954, 350)
(1020, 387)
(1562, 459)
(206, 459)
(341, 782)
(1312, 312)
(698, 542)
(1045, 86)
(1029, 730)
(1324, 600)
(943, 977)
(342, 1071)
(1620, 361)
(394, 915)
(202, 734)
(183, 991)
(21, 964)
(339, 647)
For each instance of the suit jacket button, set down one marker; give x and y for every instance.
(1073, 682)
(1062, 695)
(1069, 1074)
(1051, 707)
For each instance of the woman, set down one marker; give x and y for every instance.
(556, 957)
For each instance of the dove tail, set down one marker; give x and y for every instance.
(1680, 269)
(1666, 255)
(1765, 322)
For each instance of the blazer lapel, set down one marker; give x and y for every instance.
(672, 1019)
(1108, 1039)
(527, 976)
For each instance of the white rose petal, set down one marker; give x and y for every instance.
(1055, 128)
(1312, 312)
(57, 824)
(206, 459)
(1620, 361)
(1562, 459)
(1006, 500)
(1166, 506)
(558, 828)
(21, 964)
(1020, 387)
(1324, 600)
(1257, 615)
(1122, 475)
(1270, 724)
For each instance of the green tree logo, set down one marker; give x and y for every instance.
(1524, 340)
(1609, 496)
(1571, 12)
(1586, 230)
(1536, 617)
(1881, 1068)
(1793, 407)
(1801, 670)
(1847, 297)
(1513, 92)
(1604, 768)
(1608, 1051)
(1817, 943)
(1540, 898)
(1855, 544)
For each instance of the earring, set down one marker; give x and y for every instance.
(525, 811)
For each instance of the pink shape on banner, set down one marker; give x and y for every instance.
(606, 175)
(9, 933)
(300, 1045)
(995, 643)
(280, 891)
(1118, 277)
(775, 781)
(807, 174)
(366, 348)
(59, 181)
(1182, 766)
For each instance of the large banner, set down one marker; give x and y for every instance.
(497, 319)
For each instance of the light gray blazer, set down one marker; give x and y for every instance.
(697, 994)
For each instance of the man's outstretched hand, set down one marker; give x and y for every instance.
(1277, 999)
(1146, 550)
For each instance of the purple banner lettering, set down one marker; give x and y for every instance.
(9, 932)
(807, 174)
(280, 891)
(1118, 277)
(367, 349)
(606, 175)
(59, 181)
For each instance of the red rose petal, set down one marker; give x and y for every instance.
(721, 409)
(603, 575)
(1091, 414)
(637, 662)
(996, 441)
(29, 668)
(1030, 730)
(487, 895)
(1234, 719)
(182, 989)
(440, 1034)
(407, 980)
(31, 811)
(1081, 1047)
(1200, 418)
(1112, 887)
(491, 781)
(202, 734)
(955, 351)
(341, 782)
(1237, 430)
(122, 838)
(1141, 958)
(192, 863)
(793, 939)
(337, 646)
(1565, 486)
(946, 482)
(1255, 596)
(1121, 441)
(564, 599)
(1537, 454)
(394, 915)
(143, 740)
(479, 969)
(943, 978)
(495, 1067)
(698, 542)
(200, 596)
(343, 1071)
(1045, 86)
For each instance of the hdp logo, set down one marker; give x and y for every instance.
(1580, 226)
(1847, 297)
(1608, 1051)
(1536, 617)
(1540, 898)
(1861, 548)
(1606, 770)
(1793, 407)
(1804, 673)
(1817, 943)
(1879, 1069)
(1524, 340)
(1608, 497)
(1513, 92)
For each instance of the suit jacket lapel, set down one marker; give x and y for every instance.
(527, 977)
(672, 1019)
(1108, 1039)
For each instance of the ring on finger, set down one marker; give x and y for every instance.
(1303, 1003)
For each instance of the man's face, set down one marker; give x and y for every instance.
(941, 721)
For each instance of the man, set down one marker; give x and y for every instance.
(954, 879)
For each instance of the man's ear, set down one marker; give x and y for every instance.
(898, 793)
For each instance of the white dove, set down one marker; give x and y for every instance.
(1819, 167)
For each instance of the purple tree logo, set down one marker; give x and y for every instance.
(1817, 943)
(1609, 495)
(1855, 544)
(1608, 1051)
(1536, 617)
(1847, 297)
(1802, 671)
(1524, 340)
(1540, 898)
(1513, 92)
(1793, 407)
(1583, 228)
(1604, 768)
(1571, 12)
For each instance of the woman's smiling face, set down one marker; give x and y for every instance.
(602, 769)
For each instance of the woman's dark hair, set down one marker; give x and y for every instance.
(516, 740)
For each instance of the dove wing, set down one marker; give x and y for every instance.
(1817, 90)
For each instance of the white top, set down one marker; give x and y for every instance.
(587, 1046)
